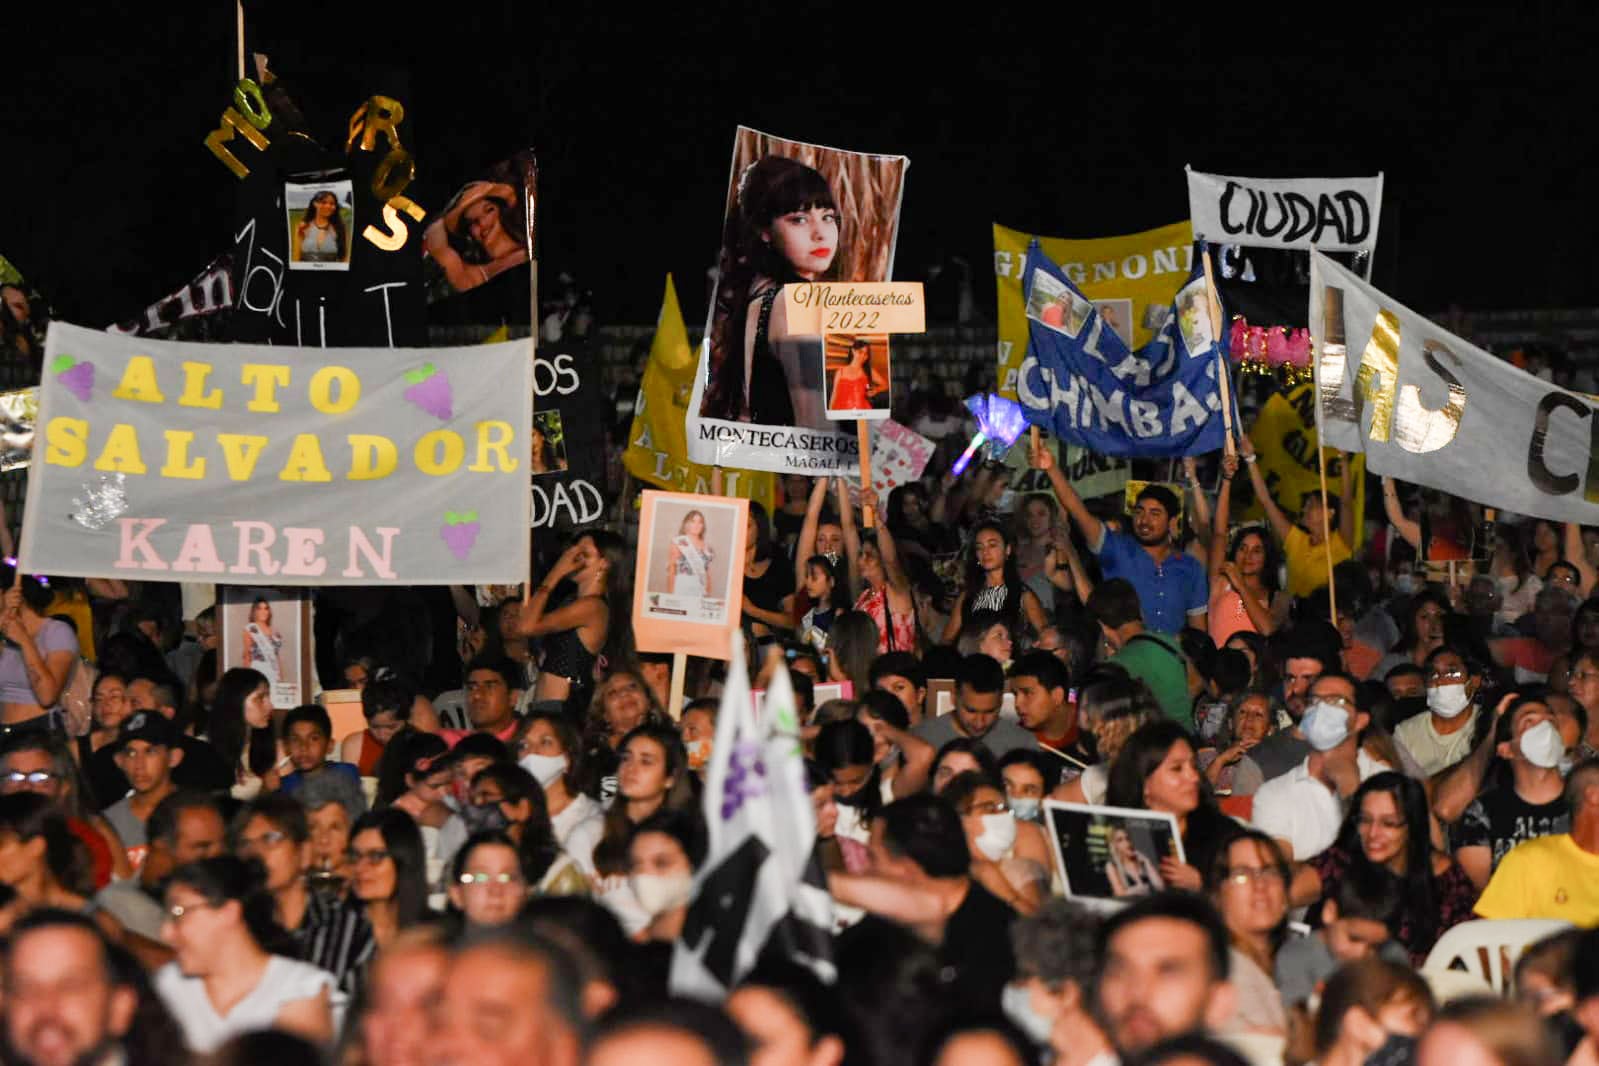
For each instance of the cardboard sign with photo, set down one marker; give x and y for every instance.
(268, 630)
(1109, 855)
(857, 376)
(688, 581)
(795, 212)
(320, 216)
(548, 453)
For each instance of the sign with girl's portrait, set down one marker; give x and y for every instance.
(1110, 853)
(795, 213)
(321, 216)
(268, 630)
(688, 589)
(858, 377)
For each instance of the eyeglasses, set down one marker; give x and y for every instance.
(178, 910)
(491, 879)
(373, 857)
(1244, 876)
(1336, 700)
(270, 839)
(36, 777)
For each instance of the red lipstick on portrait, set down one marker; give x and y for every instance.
(821, 253)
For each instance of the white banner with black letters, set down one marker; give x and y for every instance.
(1427, 407)
(1333, 214)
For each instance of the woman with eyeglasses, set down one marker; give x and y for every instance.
(388, 873)
(1388, 825)
(1248, 881)
(488, 883)
(232, 973)
(1010, 858)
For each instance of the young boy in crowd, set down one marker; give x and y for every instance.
(1356, 924)
(308, 736)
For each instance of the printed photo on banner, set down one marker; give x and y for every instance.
(484, 230)
(321, 217)
(1055, 305)
(549, 444)
(19, 413)
(688, 581)
(795, 212)
(1118, 316)
(1110, 853)
(268, 630)
(858, 377)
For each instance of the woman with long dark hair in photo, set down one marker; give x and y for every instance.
(993, 583)
(785, 228)
(319, 235)
(593, 627)
(243, 734)
(478, 235)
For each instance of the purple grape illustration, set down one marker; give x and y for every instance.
(78, 377)
(430, 390)
(746, 778)
(460, 532)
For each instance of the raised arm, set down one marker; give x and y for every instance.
(805, 547)
(887, 549)
(1346, 494)
(1093, 529)
(1406, 528)
(534, 619)
(1579, 559)
(1279, 521)
(1223, 517)
(852, 539)
(1201, 501)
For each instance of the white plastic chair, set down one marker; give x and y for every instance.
(451, 708)
(1489, 948)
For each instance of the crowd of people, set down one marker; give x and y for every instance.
(1364, 730)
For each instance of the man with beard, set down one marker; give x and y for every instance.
(1161, 970)
(1171, 585)
(73, 1000)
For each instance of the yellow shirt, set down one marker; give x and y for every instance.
(1307, 563)
(1546, 877)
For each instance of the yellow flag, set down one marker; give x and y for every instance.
(657, 447)
(1285, 439)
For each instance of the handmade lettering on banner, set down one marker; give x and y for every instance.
(795, 213)
(657, 450)
(1426, 406)
(1333, 214)
(1129, 278)
(257, 464)
(1082, 382)
(196, 312)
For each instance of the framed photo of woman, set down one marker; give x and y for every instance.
(1110, 855)
(321, 219)
(857, 375)
(268, 630)
(688, 578)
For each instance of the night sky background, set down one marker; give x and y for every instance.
(1073, 125)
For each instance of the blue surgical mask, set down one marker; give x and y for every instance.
(1325, 725)
(480, 817)
(1028, 810)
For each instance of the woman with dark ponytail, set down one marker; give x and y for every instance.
(232, 973)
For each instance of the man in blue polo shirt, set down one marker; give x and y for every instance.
(1171, 585)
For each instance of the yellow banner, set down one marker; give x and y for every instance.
(1130, 279)
(657, 446)
(1285, 441)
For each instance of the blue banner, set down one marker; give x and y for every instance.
(1083, 381)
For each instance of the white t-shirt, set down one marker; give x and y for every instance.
(578, 829)
(1298, 808)
(1433, 751)
(283, 981)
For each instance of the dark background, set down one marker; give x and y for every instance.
(1070, 126)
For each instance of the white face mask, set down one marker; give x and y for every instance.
(546, 769)
(1541, 745)
(1447, 701)
(1027, 810)
(1405, 583)
(659, 893)
(1325, 725)
(999, 833)
(1017, 1003)
(697, 755)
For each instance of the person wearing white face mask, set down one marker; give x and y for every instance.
(547, 746)
(1048, 999)
(1554, 876)
(663, 854)
(1010, 857)
(1441, 737)
(1526, 802)
(1303, 809)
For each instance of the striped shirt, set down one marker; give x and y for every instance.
(990, 598)
(336, 937)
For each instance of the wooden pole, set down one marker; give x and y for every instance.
(679, 679)
(1213, 306)
(239, 34)
(1332, 317)
(716, 481)
(863, 433)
